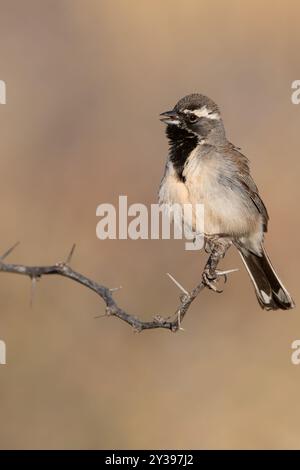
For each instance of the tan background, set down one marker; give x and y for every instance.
(86, 81)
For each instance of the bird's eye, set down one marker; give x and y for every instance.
(192, 118)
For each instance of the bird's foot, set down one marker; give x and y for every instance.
(210, 278)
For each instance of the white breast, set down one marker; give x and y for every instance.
(172, 190)
(225, 209)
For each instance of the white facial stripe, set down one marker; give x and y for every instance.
(203, 112)
(172, 121)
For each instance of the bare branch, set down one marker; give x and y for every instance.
(172, 323)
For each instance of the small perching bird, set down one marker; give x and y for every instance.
(203, 167)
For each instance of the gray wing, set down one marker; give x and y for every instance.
(245, 178)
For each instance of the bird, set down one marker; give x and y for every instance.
(203, 167)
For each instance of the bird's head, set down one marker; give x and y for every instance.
(196, 115)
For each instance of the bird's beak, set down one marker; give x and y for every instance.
(170, 117)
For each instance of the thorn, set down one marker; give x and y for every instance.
(68, 260)
(8, 252)
(178, 284)
(225, 273)
(101, 316)
(115, 289)
(32, 290)
(229, 271)
(179, 321)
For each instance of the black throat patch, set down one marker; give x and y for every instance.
(182, 143)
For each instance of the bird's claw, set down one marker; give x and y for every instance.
(210, 282)
(210, 279)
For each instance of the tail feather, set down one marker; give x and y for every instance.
(270, 292)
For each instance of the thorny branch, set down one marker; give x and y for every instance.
(172, 323)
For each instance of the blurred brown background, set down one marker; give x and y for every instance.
(86, 80)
